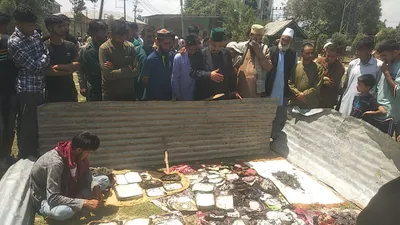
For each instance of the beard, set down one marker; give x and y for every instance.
(282, 48)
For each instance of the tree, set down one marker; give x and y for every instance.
(325, 16)
(39, 7)
(236, 16)
(357, 39)
(321, 41)
(78, 6)
(341, 40)
(384, 35)
(110, 20)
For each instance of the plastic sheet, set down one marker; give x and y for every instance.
(15, 193)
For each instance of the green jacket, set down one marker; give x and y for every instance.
(90, 72)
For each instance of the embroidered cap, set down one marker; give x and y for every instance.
(257, 29)
(217, 34)
(164, 34)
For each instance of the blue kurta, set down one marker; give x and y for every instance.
(158, 68)
(279, 84)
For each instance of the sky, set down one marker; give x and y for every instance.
(151, 7)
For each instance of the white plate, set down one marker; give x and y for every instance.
(205, 200)
(133, 177)
(173, 187)
(128, 191)
(120, 179)
(225, 202)
(138, 222)
(155, 192)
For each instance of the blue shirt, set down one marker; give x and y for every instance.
(158, 69)
(278, 88)
(385, 97)
(182, 84)
(30, 55)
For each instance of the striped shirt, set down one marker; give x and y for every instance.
(30, 56)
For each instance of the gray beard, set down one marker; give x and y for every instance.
(282, 48)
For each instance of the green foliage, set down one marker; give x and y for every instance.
(357, 39)
(321, 41)
(341, 40)
(385, 34)
(110, 20)
(325, 16)
(78, 6)
(39, 7)
(236, 16)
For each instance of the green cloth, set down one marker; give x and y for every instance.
(141, 54)
(136, 42)
(217, 34)
(385, 97)
(118, 82)
(307, 79)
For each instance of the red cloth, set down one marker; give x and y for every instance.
(70, 184)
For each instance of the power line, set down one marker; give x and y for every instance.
(151, 6)
(146, 8)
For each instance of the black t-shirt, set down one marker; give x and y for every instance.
(8, 71)
(61, 88)
(362, 104)
(69, 38)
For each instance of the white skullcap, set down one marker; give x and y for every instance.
(288, 32)
(176, 38)
(327, 44)
(233, 45)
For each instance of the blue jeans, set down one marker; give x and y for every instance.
(63, 212)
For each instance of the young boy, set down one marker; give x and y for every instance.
(364, 104)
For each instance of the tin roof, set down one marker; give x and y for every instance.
(276, 28)
(136, 134)
(346, 153)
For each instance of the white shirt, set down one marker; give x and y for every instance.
(355, 70)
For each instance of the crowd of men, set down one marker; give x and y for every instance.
(118, 65)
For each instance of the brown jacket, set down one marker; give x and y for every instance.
(329, 92)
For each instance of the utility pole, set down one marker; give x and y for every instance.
(94, 10)
(101, 10)
(262, 9)
(125, 10)
(135, 10)
(183, 26)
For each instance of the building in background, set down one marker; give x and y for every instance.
(173, 23)
(54, 7)
(275, 29)
(77, 25)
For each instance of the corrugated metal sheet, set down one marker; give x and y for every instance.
(16, 205)
(345, 153)
(137, 133)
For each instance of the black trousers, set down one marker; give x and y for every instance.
(8, 112)
(27, 127)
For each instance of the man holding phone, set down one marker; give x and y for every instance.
(255, 64)
(117, 59)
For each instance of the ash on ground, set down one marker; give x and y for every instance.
(287, 179)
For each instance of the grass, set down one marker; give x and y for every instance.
(110, 213)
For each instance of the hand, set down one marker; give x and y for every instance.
(91, 204)
(386, 67)
(398, 139)
(216, 77)
(256, 47)
(301, 97)
(83, 91)
(368, 113)
(108, 65)
(236, 95)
